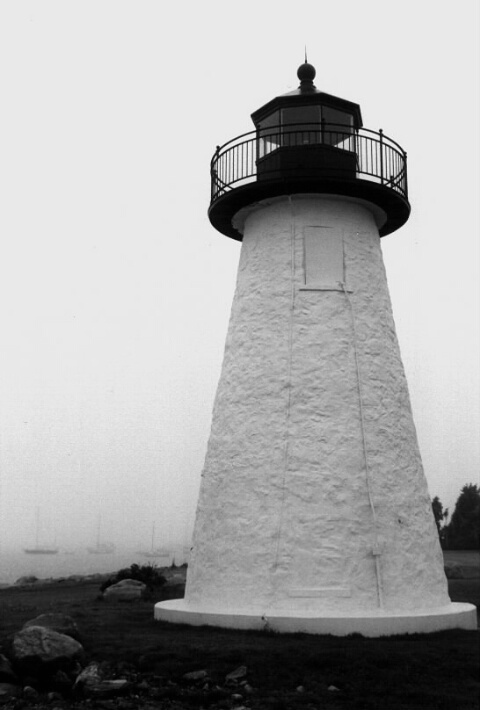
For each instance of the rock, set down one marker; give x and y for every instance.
(300, 689)
(30, 693)
(61, 623)
(195, 675)
(92, 684)
(36, 646)
(236, 675)
(90, 675)
(7, 673)
(236, 697)
(53, 695)
(333, 688)
(126, 590)
(110, 688)
(130, 583)
(143, 685)
(8, 690)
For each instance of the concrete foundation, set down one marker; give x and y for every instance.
(373, 624)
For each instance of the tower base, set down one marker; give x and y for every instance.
(373, 624)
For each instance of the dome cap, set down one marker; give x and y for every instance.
(306, 73)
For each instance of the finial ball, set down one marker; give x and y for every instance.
(306, 72)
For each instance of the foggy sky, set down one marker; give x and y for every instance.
(115, 291)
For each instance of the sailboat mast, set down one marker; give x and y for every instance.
(37, 525)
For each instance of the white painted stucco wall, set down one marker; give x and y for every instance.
(284, 518)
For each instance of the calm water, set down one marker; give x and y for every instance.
(18, 564)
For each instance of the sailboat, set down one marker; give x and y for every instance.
(101, 548)
(39, 549)
(155, 551)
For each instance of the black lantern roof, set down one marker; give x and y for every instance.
(307, 94)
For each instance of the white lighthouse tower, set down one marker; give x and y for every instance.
(314, 513)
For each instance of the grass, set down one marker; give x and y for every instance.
(428, 672)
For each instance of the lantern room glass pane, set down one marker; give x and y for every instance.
(268, 134)
(308, 131)
(338, 126)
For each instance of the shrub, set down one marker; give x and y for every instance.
(148, 574)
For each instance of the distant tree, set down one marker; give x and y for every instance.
(441, 517)
(463, 532)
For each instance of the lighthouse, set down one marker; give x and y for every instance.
(313, 513)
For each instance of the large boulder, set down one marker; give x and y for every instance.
(126, 590)
(61, 623)
(36, 649)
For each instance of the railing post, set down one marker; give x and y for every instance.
(214, 173)
(381, 156)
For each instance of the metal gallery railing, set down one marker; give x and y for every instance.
(377, 158)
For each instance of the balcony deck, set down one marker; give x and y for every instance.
(328, 159)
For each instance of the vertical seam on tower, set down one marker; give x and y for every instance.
(376, 550)
(289, 377)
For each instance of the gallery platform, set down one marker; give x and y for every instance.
(379, 623)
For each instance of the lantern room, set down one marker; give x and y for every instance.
(310, 108)
(307, 132)
(307, 141)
